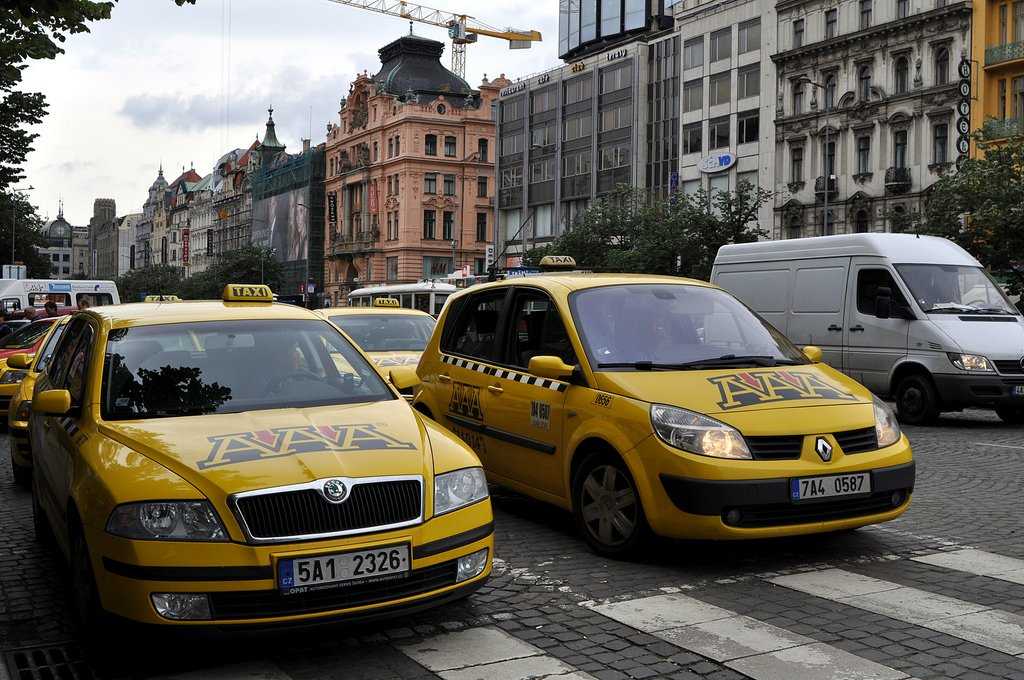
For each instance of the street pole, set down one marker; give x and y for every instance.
(455, 242)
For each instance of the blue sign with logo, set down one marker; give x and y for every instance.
(717, 162)
(60, 288)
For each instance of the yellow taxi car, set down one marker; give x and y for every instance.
(207, 463)
(659, 403)
(21, 401)
(389, 334)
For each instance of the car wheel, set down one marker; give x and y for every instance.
(44, 534)
(22, 475)
(916, 400)
(1013, 415)
(85, 595)
(608, 508)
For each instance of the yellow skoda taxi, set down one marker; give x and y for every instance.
(389, 334)
(241, 462)
(21, 402)
(659, 403)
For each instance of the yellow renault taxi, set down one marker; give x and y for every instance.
(209, 463)
(659, 403)
(21, 402)
(389, 334)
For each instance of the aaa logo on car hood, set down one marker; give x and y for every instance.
(759, 387)
(240, 447)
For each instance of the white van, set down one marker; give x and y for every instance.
(915, 317)
(18, 294)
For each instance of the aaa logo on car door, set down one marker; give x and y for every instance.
(465, 401)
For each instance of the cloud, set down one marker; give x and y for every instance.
(70, 167)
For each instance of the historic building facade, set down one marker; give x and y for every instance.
(998, 53)
(409, 173)
(59, 249)
(865, 111)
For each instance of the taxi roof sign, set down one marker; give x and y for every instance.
(247, 292)
(162, 298)
(557, 262)
(386, 302)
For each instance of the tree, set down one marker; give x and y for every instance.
(160, 279)
(981, 208)
(631, 230)
(251, 264)
(30, 30)
(17, 212)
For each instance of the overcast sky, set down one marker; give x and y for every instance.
(150, 85)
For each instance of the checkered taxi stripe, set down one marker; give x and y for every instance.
(69, 426)
(505, 374)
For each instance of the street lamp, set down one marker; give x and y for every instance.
(828, 173)
(14, 218)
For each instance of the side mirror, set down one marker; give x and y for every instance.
(403, 377)
(20, 361)
(813, 353)
(550, 367)
(883, 302)
(52, 402)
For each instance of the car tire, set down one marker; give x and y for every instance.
(607, 507)
(22, 475)
(917, 402)
(1011, 415)
(84, 594)
(41, 525)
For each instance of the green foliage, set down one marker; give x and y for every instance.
(30, 30)
(981, 208)
(17, 211)
(631, 230)
(161, 279)
(239, 266)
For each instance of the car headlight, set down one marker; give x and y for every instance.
(697, 433)
(454, 490)
(10, 377)
(167, 520)
(24, 410)
(970, 362)
(887, 428)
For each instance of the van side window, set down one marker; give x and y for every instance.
(475, 326)
(95, 299)
(868, 283)
(537, 330)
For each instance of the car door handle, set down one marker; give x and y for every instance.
(442, 377)
(856, 328)
(494, 389)
(835, 327)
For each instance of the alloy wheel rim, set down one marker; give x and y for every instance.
(609, 505)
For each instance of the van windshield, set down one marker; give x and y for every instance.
(675, 327)
(954, 289)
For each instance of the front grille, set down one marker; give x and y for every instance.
(1011, 367)
(775, 448)
(256, 604)
(305, 512)
(857, 441)
(781, 514)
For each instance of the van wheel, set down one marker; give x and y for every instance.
(1013, 415)
(608, 508)
(22, 475)
(916, 400)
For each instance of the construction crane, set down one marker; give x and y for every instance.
(462, 28)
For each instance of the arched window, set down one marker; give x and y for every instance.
(942, 67)
(861, 222)
(902, 75)
(864, 82)
(830, 92)
(899, 149)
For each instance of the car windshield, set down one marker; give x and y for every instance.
(46, 351)
(232, 366)
(673, 327)
(26, 336)
(387, 332)
(954, 289)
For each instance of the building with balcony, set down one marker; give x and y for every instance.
(865, 110)
(998, 30)
(409, 173)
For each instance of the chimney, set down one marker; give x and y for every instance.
(305, 145)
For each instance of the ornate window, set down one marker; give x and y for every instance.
(902, 75)
(942, 67)
(864, 82)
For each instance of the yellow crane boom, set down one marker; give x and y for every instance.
(462, 28)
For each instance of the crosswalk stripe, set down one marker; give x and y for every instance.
(487, 654)
(759, 650)
(978, 562)
(992, 628)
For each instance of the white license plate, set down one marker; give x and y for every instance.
(1018, 391)
(312, 573)
(806, 488)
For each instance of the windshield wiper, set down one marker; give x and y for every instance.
(724, 361)
(988, 310)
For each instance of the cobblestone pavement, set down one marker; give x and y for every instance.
(936, 594)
